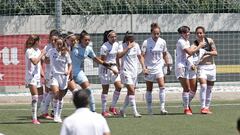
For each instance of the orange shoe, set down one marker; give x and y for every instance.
(187, 111)
(113, 110)
(205, 111)
(106, 114)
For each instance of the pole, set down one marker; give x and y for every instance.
(58, 14)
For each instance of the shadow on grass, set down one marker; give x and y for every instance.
(24, 122)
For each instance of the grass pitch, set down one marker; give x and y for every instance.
(16, 120)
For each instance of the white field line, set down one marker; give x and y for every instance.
(141, 107)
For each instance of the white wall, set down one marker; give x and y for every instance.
(42, 24)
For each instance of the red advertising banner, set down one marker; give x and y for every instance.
(12, 58)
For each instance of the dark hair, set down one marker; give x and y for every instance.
(82, 35)
(128, 37)
(81, 98)
(106, 34)
(200, 27)
(238, 125)
(31, 41)
(154, 26)
(183, 29)
(54, 32)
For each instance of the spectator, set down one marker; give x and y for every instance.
(84, 121)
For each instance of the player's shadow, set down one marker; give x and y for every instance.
(158, 114)
(25, 120)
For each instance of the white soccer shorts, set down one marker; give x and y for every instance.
(59, 80)
(207, 72)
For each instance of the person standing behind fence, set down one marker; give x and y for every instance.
(61, 66)
(153, 50)
(80, 52)
(183, 51)
(108, 53)
(130, 54)
(83, 121)
(206, 68)
(33, 72)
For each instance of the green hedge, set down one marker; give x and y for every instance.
(84, 7)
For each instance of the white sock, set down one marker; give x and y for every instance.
(133, 103)
(162, 96)
(44, 97)
(34, 106)
(126, 102)
(47, 102)
(185, 98)
(43, 102)
(149, 101)
(208, 96)
(40, 98)
(203, 91)
(104, 102)
(60, 107)
(191, 96)
(92, 101)
(116, 95)
(55, 107)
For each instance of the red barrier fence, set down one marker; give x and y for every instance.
(12, 58)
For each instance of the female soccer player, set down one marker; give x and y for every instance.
(206, 68)
(130, 54)
(108, 53)
(33, 72)
(78, 54)
(71, 41)
(48, 95)
(61, 66)
(154, 50)
(182, 66)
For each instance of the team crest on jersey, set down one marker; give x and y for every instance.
(151, 48)
(55, 55)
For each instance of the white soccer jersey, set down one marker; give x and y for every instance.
(32, 71)
(181, 55)
(153, 52)
(129, 62)
(48, 47)
(110, 51)
(58, 62)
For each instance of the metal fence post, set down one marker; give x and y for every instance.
(58, 14)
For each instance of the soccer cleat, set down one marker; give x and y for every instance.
(106, 114)
(35, 121)
(57, 119)
(163, 112)
(190, 109)
(113, 110)
(122, 114)
(137, 115)
(187, 111)
(205, 111)
(46, 116)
